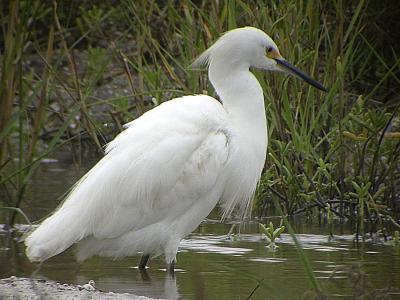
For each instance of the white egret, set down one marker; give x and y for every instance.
(169, 168)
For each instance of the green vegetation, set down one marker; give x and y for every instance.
(337, 153)
(271, 233)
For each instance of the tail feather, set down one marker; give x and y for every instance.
(56, 234)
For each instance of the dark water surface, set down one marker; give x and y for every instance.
(211, 266)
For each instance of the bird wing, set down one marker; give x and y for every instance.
(155, 169)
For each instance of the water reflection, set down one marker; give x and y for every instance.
(141, 283)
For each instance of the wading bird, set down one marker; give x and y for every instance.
(170, 167)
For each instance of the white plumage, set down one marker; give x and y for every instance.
(169, 168)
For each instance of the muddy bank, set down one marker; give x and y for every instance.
(28, 288)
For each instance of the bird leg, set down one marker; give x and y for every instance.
(144, 275)
(171, 268)
(143, 261)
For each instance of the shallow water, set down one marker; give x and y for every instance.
(211, 266)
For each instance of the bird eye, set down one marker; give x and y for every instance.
(269, 49)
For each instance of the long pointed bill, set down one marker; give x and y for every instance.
(283, 64)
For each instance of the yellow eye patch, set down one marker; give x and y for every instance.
(273, 53)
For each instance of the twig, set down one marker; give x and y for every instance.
(393, 221)
(254, 290)
(280, 196)
(320, 202)
(139, 100)
(18, 210)
(303, 209)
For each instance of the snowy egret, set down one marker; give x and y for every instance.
(169, 168)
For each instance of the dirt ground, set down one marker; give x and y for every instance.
(38, 289)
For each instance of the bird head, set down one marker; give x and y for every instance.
(250, 47)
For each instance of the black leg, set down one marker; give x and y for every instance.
(171, 268)
(143, 261)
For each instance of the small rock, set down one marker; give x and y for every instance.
(90, 286)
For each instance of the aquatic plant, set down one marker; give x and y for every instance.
(396, 239)
(272, 233)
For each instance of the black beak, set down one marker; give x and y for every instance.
(283, 64)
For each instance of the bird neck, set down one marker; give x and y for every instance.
(241, 95)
